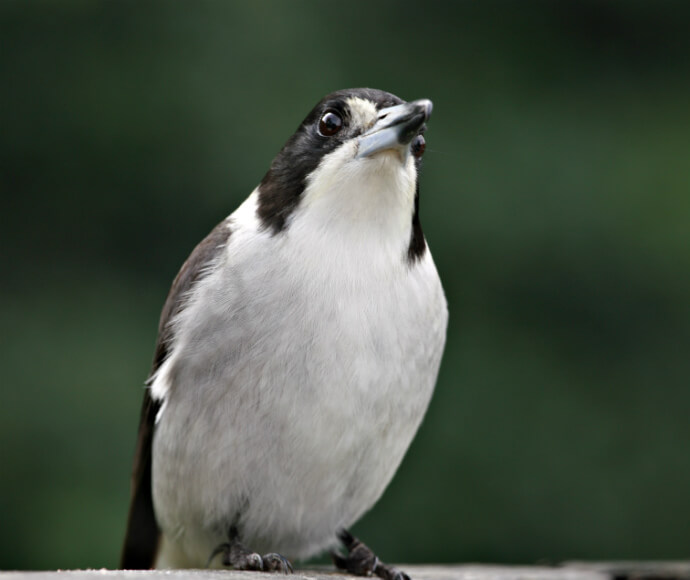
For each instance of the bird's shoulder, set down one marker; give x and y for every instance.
(195, 267)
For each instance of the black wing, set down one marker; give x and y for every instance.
(143, 535)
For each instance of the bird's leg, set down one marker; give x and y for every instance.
(361, 561)
(237, 555)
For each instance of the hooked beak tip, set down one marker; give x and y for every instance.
(426, 105)
(395, 128)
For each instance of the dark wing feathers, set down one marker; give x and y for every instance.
(142, 535)
(194, 268)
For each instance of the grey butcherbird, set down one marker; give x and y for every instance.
(297, 353)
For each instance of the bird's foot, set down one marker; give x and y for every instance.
(276, 563)
(235, 554)
(361, 561)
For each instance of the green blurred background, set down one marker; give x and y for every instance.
(555, 197)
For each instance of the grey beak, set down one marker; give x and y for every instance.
(395, 127)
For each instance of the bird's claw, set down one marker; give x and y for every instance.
(276, 563)
(240, 558)
(361, 560)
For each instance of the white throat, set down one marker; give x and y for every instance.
(365, 202)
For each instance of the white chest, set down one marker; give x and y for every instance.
(297, 380)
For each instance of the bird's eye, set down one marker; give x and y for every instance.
(418, 146)
(330, 123)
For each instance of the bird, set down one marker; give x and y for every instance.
(297, 352)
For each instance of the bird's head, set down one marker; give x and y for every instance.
(355, 157)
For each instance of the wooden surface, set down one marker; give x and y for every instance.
(567, 571)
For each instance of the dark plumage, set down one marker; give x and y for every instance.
(142, 536)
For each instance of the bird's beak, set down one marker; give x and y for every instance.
(395, 127)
